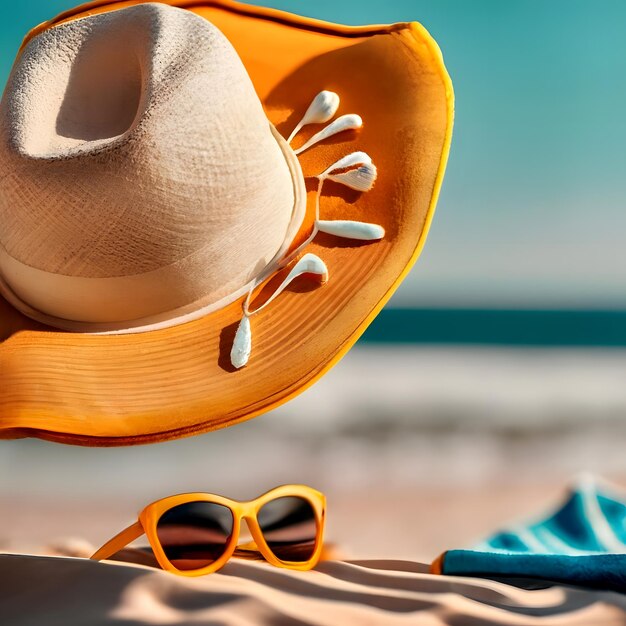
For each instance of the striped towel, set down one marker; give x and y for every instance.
(582, 543)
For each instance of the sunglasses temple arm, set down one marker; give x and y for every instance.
(121, 540)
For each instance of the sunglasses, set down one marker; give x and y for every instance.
(197, 533)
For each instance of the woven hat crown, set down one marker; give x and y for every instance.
(140, 173)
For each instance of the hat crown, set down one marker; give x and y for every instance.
(138, 166)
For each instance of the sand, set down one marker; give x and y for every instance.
(63, 591)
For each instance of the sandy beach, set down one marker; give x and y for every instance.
(76, 592)
(479, 439)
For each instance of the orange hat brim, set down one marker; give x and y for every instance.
(138, 388)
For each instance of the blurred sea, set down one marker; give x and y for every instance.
(423, 436)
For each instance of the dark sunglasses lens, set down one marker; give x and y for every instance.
(195, 534)
(289, 527)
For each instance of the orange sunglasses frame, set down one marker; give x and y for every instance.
(246, 510)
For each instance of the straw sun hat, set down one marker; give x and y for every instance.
(201, 209)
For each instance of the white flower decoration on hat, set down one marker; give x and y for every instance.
(355, 171)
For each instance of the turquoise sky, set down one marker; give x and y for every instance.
(533, 210)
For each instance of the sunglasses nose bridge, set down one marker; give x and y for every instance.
(247, 510)
(249, 517)
(254, 532)
(247, 514)
(252, 523)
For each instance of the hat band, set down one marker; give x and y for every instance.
(31, 290)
